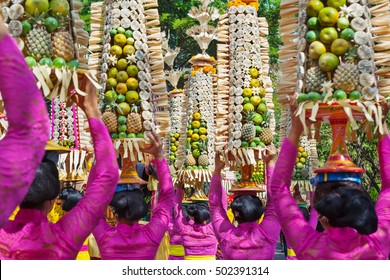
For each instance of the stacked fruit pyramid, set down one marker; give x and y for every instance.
(199, 133)
(341, 55)
(126, 48)
(245, 109)
(177, 104)
(51, 35)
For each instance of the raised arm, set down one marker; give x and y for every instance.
(158, 224)
(23, 147)
(78, 223)
(270, 223)
(218, 202)
(293, 224)
(383, 204)
(162, 212)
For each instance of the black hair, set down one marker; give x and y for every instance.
(46, 186)
(200, 212)
(305, 212)
(328, 187)
(249, 208)
(129, 205)
(70, 197)
(349, 207)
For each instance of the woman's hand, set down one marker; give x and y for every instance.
(155, 148)
(219, 164)
(271, 155)
(89, 103)
(3, 28)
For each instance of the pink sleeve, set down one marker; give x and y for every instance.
(270, 223)
(179, 219)
(382, 206)
(313, 219)
(100, 230)
(221, 223)
(295, 228)
(23, 147)
(78, 223)
(158, 224)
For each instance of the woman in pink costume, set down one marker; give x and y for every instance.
(129, 240)
(199, 240)
(23, 147)
(354, 229)
(249, 240)
(176, 248)
(30, 235)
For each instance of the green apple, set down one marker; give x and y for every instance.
(328, 35)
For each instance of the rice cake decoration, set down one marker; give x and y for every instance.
(130, 57)
(177, 105)
(52, 37)
(245, 90)
(199, 141)
(341, 58)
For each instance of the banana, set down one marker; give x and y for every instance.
(359, 24)
(365, 52)
(16, 11)
(366, 80)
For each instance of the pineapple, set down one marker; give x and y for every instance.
(346, 76)
(314, 79)
(63, 45)
(266, 135)
(38, 42)
(109, 118)
(248, 129)
(134, 121)
(203, 159)
(190, 159)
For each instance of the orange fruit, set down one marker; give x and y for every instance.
(247, 92)
(328, 16)
(195, 124)
(339, 46)
(122, 64)
(328, 62)
(128, 50)
(337, 4)
(328, 35)
(132, 96)
(122, 77)
(313, 8)
(132, 71)
(316, 49)
(132, 83)
(121, 88)
(197, 116)
(112, 72)
(116, 50)
(111, 83)
(120, 39)
(255, 83)
(124, 109)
